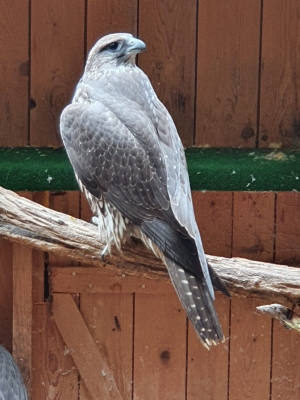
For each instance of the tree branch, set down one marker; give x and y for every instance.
(26, 222)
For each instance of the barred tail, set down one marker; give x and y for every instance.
(198, 304)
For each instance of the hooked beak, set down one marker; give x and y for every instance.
(136, 46)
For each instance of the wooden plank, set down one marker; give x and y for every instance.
(39, 257)
(90, 363)
(67, 203)
(54, 74)
(14, 23)
(109, 17)
(286, 359)
(109, 318)
(280, 91)
(253, 225)
(286, 356)
(213, 212)
(75, 279)
(160, 356)
(169, 30)
(54, 375)
(288, 228)
(250, 334)
(204, 366)
(22, 310)
(250, 351)
(227, 73)
(6, 294)
(85, 209)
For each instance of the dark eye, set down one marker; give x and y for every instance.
(113, 46)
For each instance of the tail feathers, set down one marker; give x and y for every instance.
(198, 304)
(217, 282)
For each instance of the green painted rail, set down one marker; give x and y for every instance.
(39, 169)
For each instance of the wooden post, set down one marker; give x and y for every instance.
(22, 310)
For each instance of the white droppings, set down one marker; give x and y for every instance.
(49, 179)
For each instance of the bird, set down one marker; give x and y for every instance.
(11, 382)
(130, 163)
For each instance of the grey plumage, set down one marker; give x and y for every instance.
(11, 383)
(130, 162)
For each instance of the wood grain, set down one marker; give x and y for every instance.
(280, 90)
(207, 374)
(109, 318)
(14, 23)
(159, 353)
(286, 359)
(250, 332)
(227, 73)
(213, 212)
(6, 299)
(25, 222)
(288, 228)
(253, 225)
(67, 203)
(91, 364)
(22, 310)
(109, 17)
(250, 351)
(54, 375)
(169, 30)
(57, 54)
(89, 280)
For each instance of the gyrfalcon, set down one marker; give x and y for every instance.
(130, 163)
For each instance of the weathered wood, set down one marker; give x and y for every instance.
(207, 372)
(109, 318)
(54, 375)
(280, 90)
(171, 58)
(55, 73)
(6, 294)
(160, 357)
(289, 318)
(22, 310)
(90, 363)
(227, 73)
(104, 17)
(14, 23)
(26, 222)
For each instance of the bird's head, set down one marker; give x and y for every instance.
(112, 51)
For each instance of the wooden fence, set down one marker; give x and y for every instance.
(228, 71)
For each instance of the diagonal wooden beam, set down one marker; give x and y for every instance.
(90, 363)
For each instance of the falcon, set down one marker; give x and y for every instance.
(130, 163)
(11, 382)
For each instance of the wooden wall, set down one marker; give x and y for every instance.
(226, 69)
(228, 73)
(153, 355)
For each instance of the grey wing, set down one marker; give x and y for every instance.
(178, 183)
(119, 157)
(11, 383)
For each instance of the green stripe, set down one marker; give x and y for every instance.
(39, 169)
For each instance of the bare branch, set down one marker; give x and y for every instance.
(26, 222)
(290, 319)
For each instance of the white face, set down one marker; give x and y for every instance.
(113, 50)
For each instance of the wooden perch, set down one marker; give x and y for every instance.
(26, 222)
(290, 319)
